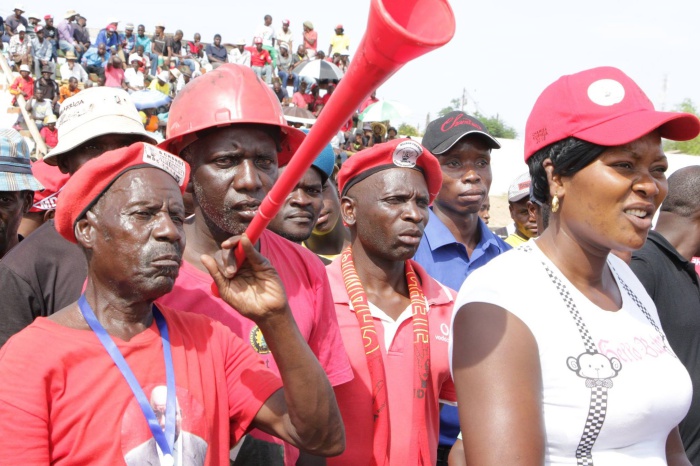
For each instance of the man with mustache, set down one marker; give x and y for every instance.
(394, 318)
(230, 128)
(456, 240)
(300, 211)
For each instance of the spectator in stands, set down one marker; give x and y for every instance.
(239, 54)
(17, 186)
(391, 133)
(133, 77)
(356, 144)
(159, 47)
(129, 39)
(143, 41)
(299, 98)
(72, 69)
(284, 36)
(49, 133)
(149, 119)
(178, 53)
(260, 61)
(144, 58)
(81, 36)
(114, 73)
(23, 84)
(14, 20)
(161, 83)
(95, 60)
(70, 89)
(109, 38)
(518, 199)
(267, 33)
(42, 52)
(195, 46)
(378, 133)
(284, 65)
(340, 43)
(280, 91)
(66, 41)
(49, 86)
(21, 47)
(216, 53)
(33, 21)
(39, 107)
(51, 34)
(310, 39)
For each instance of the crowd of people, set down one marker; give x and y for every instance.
(378, 319)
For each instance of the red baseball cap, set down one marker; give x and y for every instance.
(53, 181)
(340, 26)
(603, 106)
(111, 27)
(48, 17)
(285, 21)
(88, 184)
(257, 40)
(399, 153)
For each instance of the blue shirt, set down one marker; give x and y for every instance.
(446, 260)
(145, 42)
(108, 41)
(91, 58)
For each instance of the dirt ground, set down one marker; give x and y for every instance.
(500, 216)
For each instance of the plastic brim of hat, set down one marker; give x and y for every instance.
(447, 145)
(626, 128)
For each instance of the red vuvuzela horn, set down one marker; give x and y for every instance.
(397, 32)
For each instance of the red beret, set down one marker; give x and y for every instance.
(399, 153)
(53, 181)
(88, 184)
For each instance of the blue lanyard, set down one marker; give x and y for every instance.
(165, 439)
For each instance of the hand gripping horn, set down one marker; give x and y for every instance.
(397, 32)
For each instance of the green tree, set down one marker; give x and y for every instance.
(691, 147)
(497, 127)
(407, 130)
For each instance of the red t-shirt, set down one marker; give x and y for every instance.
(306, 284)
(113, 76)
(311, 35)
(50, 137)
(355, 398)
(260, 58)
(70, 405)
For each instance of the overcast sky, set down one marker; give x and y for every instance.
(504, 52)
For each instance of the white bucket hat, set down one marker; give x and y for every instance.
(95, 112)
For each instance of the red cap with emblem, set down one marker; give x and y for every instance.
(603, 106)
(399, 153)
(53, 181)
(88, 184)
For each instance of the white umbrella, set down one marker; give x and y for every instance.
(385, 110)
(319, 69)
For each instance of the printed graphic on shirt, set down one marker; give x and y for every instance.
(140, 448)
(257, 341)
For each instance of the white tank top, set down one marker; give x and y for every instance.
(612, 387)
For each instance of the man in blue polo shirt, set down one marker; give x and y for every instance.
(456, 240)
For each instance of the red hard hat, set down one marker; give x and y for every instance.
(230, 94)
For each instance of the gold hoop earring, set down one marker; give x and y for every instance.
(555, 203)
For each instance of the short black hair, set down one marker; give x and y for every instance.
(683, 197)
(568, 157)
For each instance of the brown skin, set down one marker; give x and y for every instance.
(143, 210)
(330, 235)
(33, 220)
(484, 211)
(387, 214)
(301, 208)
(233, 168)
(72, 160)
(456, 457)
(525, 223)
(466, 180)
(495, 360)
(13, 205)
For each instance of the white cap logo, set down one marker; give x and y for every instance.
(606, 92)
(406, 154)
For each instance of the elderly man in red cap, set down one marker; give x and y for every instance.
(394, 318)
(85, 402)
(230, 127)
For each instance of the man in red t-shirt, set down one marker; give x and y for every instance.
(310, 39)
(235, 147)
(82, 402)
(394, 318)
(260, 60)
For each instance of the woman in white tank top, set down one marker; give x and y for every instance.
(558, 355)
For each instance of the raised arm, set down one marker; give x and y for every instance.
(304, 413)
(497, 374)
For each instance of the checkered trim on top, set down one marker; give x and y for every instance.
(642, 308)
(594, 423)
